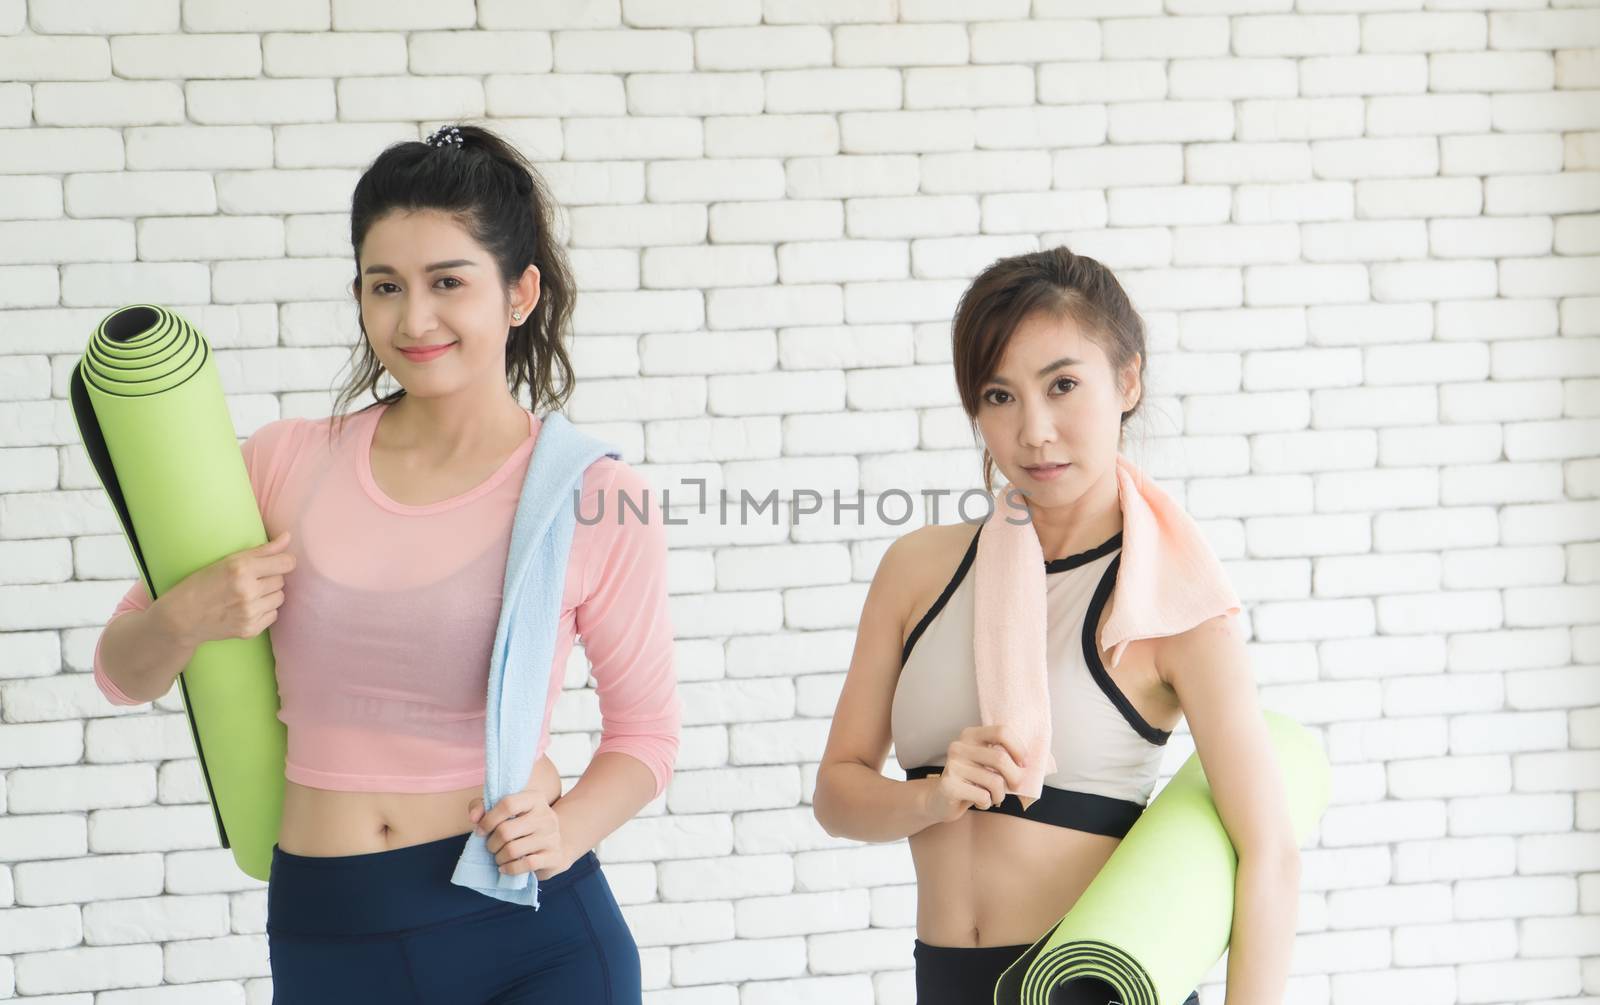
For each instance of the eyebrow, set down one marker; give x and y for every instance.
(1058, 364)
(454, 263)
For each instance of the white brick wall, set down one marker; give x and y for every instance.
(1366, 238)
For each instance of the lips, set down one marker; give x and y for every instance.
(426, 352)
(1047, 472)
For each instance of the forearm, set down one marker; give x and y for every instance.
(609, 793)
(142, 652)
(1266, 902)
(854, 801)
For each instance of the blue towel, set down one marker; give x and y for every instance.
(524, 639)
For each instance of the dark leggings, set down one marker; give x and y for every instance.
(965, 975)
(391, 927)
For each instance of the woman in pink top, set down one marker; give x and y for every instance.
(382, 584)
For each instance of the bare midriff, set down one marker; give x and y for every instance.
(988, 879)
(991, 879)
(329, 822)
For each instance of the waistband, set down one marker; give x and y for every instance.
(968, 955)
(389, 892)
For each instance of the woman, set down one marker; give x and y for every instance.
(1048, 357)
(382, 582)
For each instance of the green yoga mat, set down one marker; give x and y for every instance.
(1158, 915)
(152, 416)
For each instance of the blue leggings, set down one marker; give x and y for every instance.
(391, 927)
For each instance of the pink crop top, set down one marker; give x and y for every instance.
(383, 641)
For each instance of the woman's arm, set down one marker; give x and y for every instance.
(610, 792)
(141, 651)
(145, 645)
(853, 799)
(626, 627)
(1266, 900)
(1209, 669)
(624, 622)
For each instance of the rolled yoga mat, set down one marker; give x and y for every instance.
(1158, 915)
(151, 413)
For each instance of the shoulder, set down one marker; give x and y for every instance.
(927, 555)
(933, 546)
(275, 431)
(620, 527)
(617, 501)
(611, 473)
(1216, 641)
(277, 439)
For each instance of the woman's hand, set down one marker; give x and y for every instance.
(980, 765)
(235, 597)
(524, 833)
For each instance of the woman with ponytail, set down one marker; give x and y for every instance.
(382, 582)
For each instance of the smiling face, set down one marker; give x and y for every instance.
(425, 282)
(1051, 412)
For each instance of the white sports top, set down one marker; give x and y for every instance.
(1107, 755)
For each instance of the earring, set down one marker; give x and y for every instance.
(516, 316)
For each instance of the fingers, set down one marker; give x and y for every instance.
(992, 759)
(522, 832)
(996, 759)
(999, 733)
(275, 543)
(512, 805)
(535, 851)
(518, 829)
(976, 784)
(539, 822)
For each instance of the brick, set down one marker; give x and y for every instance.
(99, 17)
(769, 47)
(50, 57)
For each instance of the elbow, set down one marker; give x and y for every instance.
(656, 745)
(822, 805)
(114, 694)
(654, 757)
(819, 810)
(667, 761)
(108, 687)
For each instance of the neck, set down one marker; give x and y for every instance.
(1082, 523)
(462, 423)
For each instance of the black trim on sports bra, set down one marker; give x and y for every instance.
(1084, 557)
(1051, 565)
(944, 598)
(1097, 669)
(1080, 811)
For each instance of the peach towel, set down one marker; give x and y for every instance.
(1168, 581)
(1008, 639)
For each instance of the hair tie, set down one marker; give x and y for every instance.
(444, 136)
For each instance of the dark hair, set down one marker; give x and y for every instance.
(495, 194)
(1054, 281)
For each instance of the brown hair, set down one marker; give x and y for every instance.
(1054, 281)
(495, 194)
